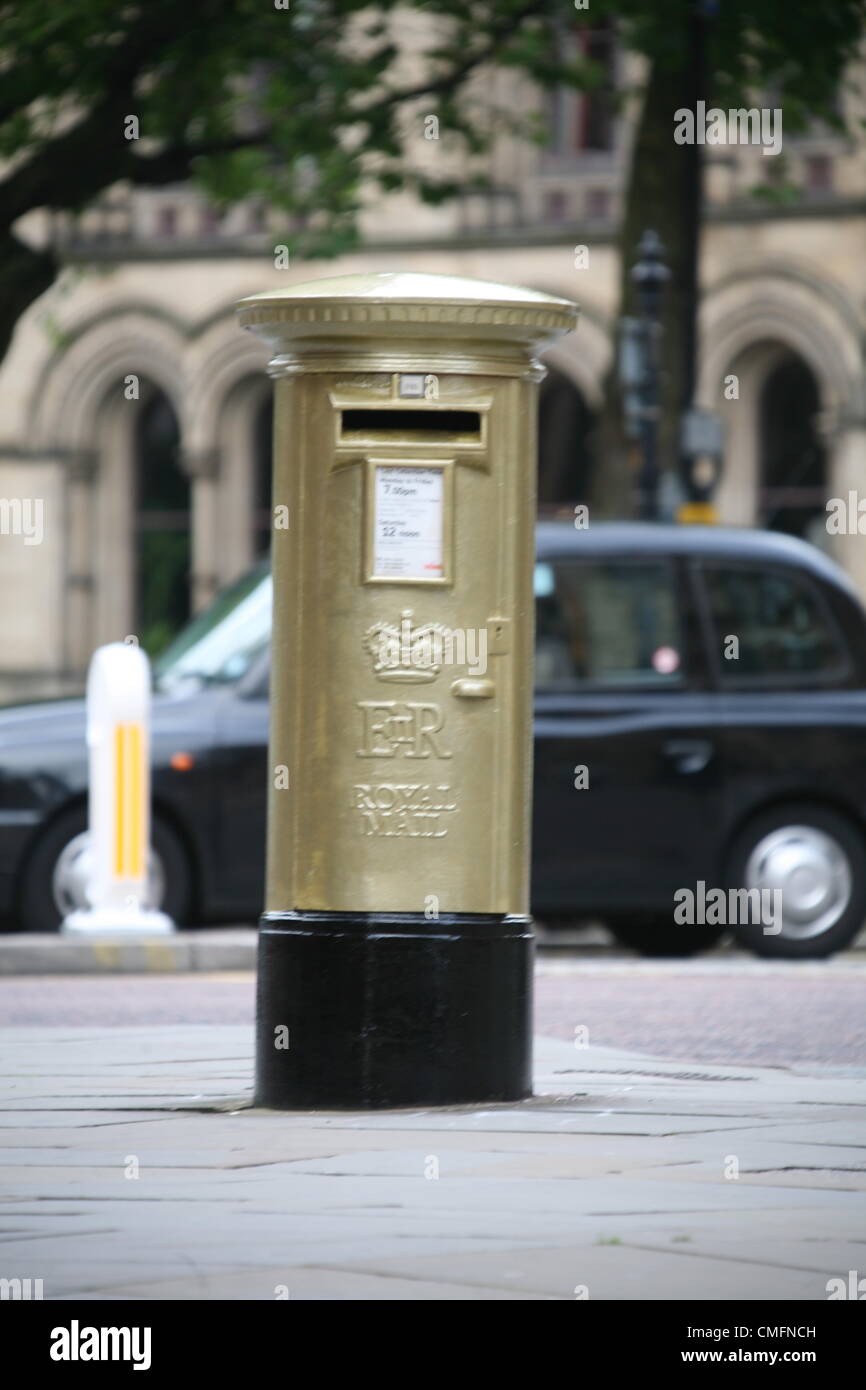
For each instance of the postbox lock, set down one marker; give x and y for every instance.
(498, 636)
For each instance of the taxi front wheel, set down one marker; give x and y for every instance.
(54, 877)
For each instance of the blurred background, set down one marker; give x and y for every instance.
(162, 161)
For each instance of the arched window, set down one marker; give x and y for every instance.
(793, 459)
(262, 465)
(161, 527)
(565, 425)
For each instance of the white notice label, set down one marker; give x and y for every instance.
(407, 533)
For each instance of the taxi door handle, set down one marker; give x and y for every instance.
(688, 754)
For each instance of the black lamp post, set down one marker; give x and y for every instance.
(650, 275)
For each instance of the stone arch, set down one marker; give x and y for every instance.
(784, 300)
(226, 384)
(101, 491)
(585, 356)
(93, 361)
(83, 412)
(238, 421)
(220, 359)
(749, 322)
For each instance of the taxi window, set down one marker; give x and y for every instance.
(770, 626)
(607, 624)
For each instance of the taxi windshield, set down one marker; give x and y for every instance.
(219, 646)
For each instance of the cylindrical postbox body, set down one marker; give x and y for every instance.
(396, 932)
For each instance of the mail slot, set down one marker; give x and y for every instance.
(396, 928)
(463, 424)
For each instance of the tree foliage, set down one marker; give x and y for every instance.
(780, 54)
(306, 106)
(310, 105)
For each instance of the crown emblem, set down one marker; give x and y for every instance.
(405, 653)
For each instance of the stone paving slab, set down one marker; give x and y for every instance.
(612, 1177)
(310, 1283)
(615, 1272)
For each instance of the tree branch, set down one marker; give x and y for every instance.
(174, 163)
(453, 79)
(25, 274)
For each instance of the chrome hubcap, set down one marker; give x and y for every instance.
(72, 873)
(811, 872)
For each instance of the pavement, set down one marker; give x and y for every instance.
(205, 949)
(134, 1166)
(719, 1008)
(185, 951)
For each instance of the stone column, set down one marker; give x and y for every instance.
(846, 474)
(202, 466)
(81, 474)
(737, 491)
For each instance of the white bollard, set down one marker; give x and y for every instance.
(118, 740)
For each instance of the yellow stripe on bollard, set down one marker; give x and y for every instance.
(128, 807)
(136, 802)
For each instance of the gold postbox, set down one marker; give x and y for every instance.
(403, 543)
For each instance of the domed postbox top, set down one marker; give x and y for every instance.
(406, 304)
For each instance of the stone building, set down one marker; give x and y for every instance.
(137, 414)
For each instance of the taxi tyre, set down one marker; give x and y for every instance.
(657, 935)
(37, 910)
(828, 825)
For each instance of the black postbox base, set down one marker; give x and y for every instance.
(357, 1010)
